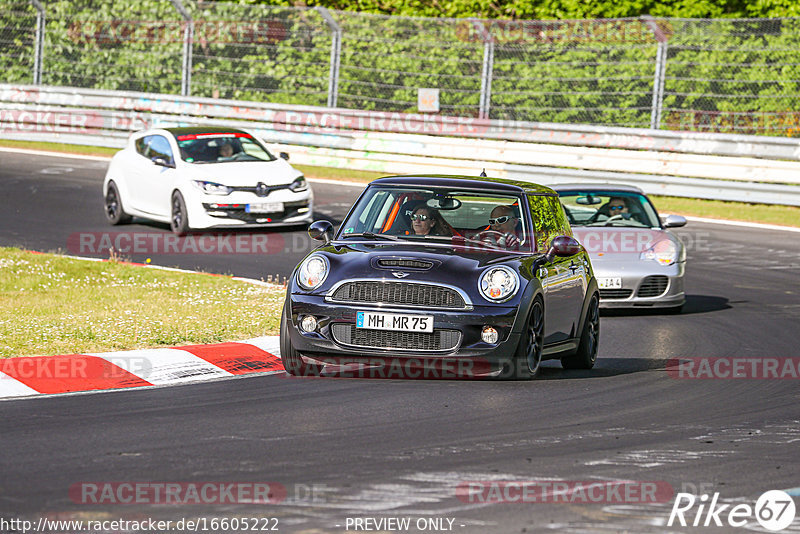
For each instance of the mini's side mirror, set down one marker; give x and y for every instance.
(321, 230)
(674, 221)
(563, 246)
(284, 155)
(162, 162)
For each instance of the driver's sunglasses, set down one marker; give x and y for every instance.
(419, 217)
(500, 220)
(617, 208)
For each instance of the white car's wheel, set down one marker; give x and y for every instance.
(113, 206)
(179, 220)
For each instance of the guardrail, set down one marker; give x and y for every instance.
(697, 165)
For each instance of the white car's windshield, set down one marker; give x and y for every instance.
(485, 220)
(608, 208)
(221, 147)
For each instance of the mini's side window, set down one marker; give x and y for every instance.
(549, 220)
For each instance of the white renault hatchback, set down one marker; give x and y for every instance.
(204, 177)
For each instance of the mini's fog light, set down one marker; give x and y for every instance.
(308, 323)
(489, 335)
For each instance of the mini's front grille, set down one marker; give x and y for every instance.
(615, 293)
(394, 263)
(653, 286)
(399, 293)
(438, 340)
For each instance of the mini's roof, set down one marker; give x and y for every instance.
(623, 188)
(466, 182)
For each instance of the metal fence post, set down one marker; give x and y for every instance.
(38, 53)
(660, 74)
(486, 73)
(336, 56)
(188, 38)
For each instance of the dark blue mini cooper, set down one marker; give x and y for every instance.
(478, 276)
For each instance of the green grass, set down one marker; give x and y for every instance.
(51, 304)
(715, 209)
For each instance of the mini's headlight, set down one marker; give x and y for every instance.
(313, 271)
(299, 184)
(664, 252)
(212, 188)
(498, 283)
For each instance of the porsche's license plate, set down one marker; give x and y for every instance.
(609, 283)
(266, 207)
(394, 321)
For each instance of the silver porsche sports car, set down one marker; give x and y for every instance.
(638, 262)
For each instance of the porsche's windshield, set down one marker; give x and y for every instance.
(221, 147)
(486, 220)
(608, 208)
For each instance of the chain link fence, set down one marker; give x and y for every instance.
(722, 75)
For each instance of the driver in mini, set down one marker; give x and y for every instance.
(505, 222)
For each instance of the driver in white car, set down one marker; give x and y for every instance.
(225, 151)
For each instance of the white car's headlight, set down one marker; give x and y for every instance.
(299, 184)
(313, 271)
(664, 252)
(212, 188)
(498, 283)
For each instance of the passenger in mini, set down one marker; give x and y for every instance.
(428, 221)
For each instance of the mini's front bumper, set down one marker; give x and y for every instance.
(469, 357)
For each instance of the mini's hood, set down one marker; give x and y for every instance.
(244, 173)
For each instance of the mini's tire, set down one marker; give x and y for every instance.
(115, 213)
(586, 355)
(527, 359)
(178, 221)
(291, 359)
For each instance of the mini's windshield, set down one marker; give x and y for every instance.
(608, 208)
(483, 220)
(221, 147)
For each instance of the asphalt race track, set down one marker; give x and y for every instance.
(340, 450)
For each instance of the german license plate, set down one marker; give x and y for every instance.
(609, 283)
(394, 321)
(266, 207)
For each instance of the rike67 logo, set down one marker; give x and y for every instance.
(774, 510)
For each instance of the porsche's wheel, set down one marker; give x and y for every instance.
(179, 221)
(528, 358)
(292, 361)
(586, 354)
(113, 204)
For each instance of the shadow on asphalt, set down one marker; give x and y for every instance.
(605, 367)
(694, 304)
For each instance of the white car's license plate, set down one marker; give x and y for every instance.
(266, 207)
(394, 321)
(609, 283)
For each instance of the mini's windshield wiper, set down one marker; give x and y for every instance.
(371, 235)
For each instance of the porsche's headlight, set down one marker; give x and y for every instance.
(664, 252)
(299, 184)
(498, 283)
(212, 188)
(313, 271)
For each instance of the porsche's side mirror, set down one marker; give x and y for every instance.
(674, 221)
(321, 230)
